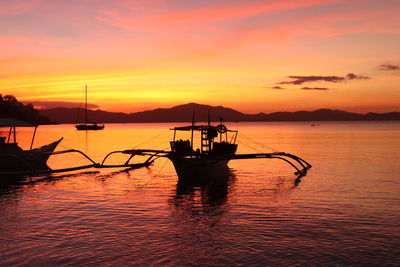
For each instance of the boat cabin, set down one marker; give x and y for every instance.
(214, 140)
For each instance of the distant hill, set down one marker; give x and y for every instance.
(316, 115)
(330, 115)
(183, 113)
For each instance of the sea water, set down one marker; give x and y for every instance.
(345, 211)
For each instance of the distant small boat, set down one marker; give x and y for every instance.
(87, 125)
(14, 159)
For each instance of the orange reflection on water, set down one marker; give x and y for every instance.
(148, 215)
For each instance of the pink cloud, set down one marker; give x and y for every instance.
(205, 24)
(130, 15)
(159, 29)
(15, 7)
(229, 12)
(18, 45)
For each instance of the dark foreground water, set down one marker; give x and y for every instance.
(346, 211)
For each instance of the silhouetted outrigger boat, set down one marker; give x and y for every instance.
(15, 161)
(217, 147)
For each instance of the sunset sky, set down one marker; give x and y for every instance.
(253, 56)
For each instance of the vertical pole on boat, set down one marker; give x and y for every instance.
(191, 138)
(234, 140)
(9, 135)
(86, 121)
(33, 137)
(173, 142)
(220, 134)
(15, 135)
(209, 138)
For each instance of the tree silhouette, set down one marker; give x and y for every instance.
(10, 107)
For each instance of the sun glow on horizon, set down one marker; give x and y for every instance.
(135, 55)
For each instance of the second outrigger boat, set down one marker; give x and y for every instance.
(16, 161)
(216, 148)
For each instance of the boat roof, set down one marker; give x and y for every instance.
(193, 127)
(197, 128)
(10, 122)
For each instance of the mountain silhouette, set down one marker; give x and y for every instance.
(184, 113)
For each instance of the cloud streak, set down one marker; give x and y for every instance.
(388, 67)
(229, 12)
(352, 76)
(277, 87)
(57, 104)
(298, 80)
(10, 8)
(315, 88)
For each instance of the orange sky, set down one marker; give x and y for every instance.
(254, 56)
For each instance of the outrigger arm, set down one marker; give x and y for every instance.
(149, 161)
(155, 154)
(32, 171)
(279, 155)
(275, 155)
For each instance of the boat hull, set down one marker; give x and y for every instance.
(14, 159)
(198, 168)
(85, 127)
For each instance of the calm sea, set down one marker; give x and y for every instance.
(345, 211)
